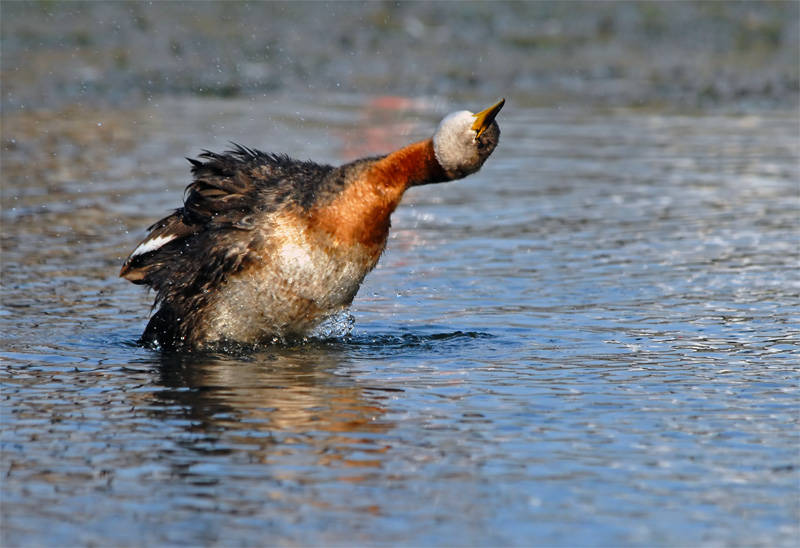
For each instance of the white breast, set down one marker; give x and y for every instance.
(302, 282)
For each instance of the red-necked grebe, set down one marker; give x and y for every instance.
(266, 247)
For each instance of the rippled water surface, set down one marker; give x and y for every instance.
(593, 341)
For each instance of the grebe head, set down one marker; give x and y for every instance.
(463, 141)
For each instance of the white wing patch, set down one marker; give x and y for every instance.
(151, 245)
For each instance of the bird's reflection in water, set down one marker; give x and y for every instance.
(295, 405)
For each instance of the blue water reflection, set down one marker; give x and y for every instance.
(593, 341)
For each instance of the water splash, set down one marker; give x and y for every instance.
(337, 326)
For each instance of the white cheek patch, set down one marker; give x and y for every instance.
(452, 137)
(151, 245)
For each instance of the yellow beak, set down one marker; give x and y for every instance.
(485, 117)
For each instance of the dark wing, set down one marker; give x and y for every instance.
(151, 252)
(213, 233)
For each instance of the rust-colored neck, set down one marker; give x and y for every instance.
(413, 165)
(360, 214)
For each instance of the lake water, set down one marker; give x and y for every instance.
(592, 341)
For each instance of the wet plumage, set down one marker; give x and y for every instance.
(266, 247)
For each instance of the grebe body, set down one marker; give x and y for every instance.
(265, 247)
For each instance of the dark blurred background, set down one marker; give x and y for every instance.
(676, 54)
